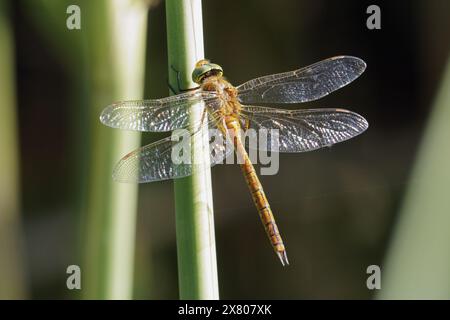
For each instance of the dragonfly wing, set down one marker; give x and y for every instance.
(302, 85)
(150, 163)
(158, 115)
(304, 130)
(155, 162)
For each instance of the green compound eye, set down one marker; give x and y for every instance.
(204, 68)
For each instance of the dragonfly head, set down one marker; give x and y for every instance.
(203, 69)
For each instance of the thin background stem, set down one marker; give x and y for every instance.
(418, 261)
(12, 284)
(117, 34)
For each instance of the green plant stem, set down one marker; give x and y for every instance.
(116, 40)
(11, 273)
(197, 267)
(418, 260)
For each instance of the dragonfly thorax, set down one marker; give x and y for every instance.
(226, 92)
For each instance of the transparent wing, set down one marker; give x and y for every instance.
(302, 85)
(160, 115)
(155, 162)
(305, 130)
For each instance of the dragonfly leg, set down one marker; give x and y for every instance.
(203, 115)
(244, 122)
(247, 124)
(171, 89)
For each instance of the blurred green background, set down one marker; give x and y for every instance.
(381, 198)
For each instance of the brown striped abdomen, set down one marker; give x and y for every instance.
(257, 192)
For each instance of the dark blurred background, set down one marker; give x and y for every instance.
(339, 209)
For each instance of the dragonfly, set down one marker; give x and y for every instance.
(233, 109)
